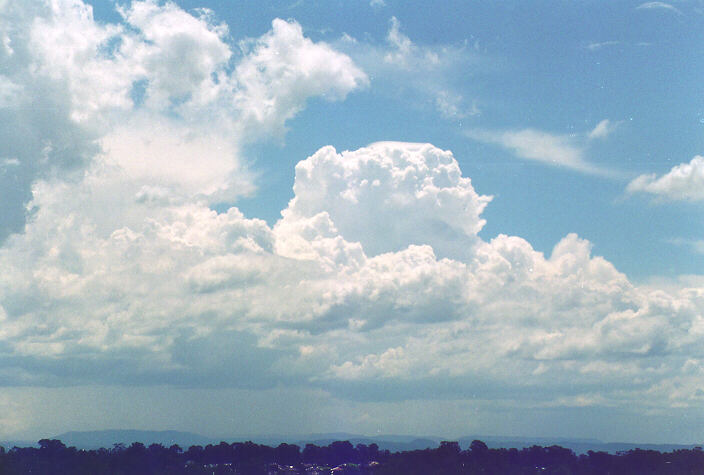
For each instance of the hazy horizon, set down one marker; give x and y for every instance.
(323, 436)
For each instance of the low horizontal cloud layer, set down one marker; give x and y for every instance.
(334, 295)
(374, 284)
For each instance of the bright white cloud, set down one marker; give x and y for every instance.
(403, 193)
(282, 70)
(83, 81)
(683, 182)
(69, 47)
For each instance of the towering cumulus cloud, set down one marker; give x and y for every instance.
(388, 196)
(374, 284)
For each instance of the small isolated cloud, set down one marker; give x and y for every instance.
(685, 182)
(603, 129)
(536, 145)
(603, 44)
(377, 3)
(658, 6)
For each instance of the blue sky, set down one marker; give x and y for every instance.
(326, 216)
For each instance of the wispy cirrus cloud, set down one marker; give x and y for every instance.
(564, 151)
(422, 74)
(658, 6)
(603, 44)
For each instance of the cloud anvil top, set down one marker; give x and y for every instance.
(153, 249)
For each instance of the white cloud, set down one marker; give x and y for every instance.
(404, 53)
(378, 252)
(658, 6)
(182, 160)
(377, 3)
(530, 144)
(603, 44)
(603, 129)
(135, 221)
(81, 78)
(70, 48)
(403, 193)
(282, 70)
(183, 57)
(683, 182)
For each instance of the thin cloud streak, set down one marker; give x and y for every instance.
(603, 44)
(658, 6)
(543, 147)
(603, 129)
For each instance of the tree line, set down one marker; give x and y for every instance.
(340, 457)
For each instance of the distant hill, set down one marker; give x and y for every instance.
(108, 438)
(393, 443)
(8, 444)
